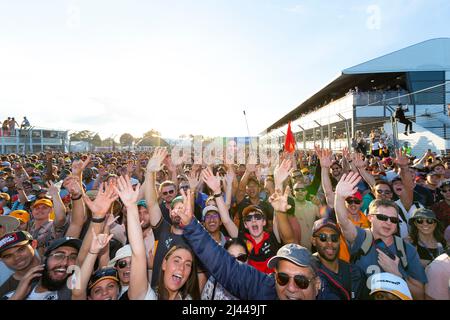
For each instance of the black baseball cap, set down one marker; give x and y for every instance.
(66, 241)
(325, 223)
(13, 239)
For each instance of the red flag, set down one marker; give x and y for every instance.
(289, 144)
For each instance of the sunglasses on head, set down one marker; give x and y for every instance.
(257, 216)
(300, 280)
(428, 221)
(165, 193)
(383, 217)
(327, 237)
(353, 201)
(122, 264)
(242, 258)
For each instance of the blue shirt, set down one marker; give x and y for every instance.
(369, 262)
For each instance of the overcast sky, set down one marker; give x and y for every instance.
(190, 66)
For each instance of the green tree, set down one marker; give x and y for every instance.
(126, 140)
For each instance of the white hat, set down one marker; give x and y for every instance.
(208, 209)
(388, 282)
(122, 253)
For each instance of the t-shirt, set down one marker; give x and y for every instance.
(215, 291)
(47, 295)
(165, 240)
(369, 262)
(438, 273)
(403, 224)
(260, 253)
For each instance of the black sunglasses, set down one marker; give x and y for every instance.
(327, 237)
(168, 192)
(257, 216)
(383, 217)
(300, 280)
(429, 221)
(122, 264)
(353, 201)
(242, 258)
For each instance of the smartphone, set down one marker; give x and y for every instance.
(387, 252)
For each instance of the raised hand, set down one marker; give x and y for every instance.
(186, 215)
(357, 159)
(125, 191)
(194, 179)
(282, 172)
(79, 165)
(99, 241)
(346, 153)
(401, 159)
(211, 181)
(324, 156)
(169, 164)
(347, 186)
(155, 163)
(251, 163)
(230, 174)
(279, 201)
(105, 197)
(73, 185)
(52, 189)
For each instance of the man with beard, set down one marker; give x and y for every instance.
(340, 280)
(166, 234)
(17, 252)
(48, 281)
(147, 231)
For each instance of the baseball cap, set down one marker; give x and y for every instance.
(252, 208)
(5, 196)
(13, 239)
(122, 253)
(47, 202)
(102, 274)
(445, 183)
(295, 253)
(5, 164)
(10, 224)
(66, 242)
(22, 215)
(209, 209)
(391, 283)
(325, 223)
(356, 195)
(142, 203)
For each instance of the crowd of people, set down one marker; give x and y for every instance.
(9, 126)
(312, 225)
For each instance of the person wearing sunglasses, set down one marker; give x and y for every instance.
(214, 290)
(378, 248)
(167, 234)
(122, 263)
(427, 235)
(340, 280)
(295, 276)
(353, 204)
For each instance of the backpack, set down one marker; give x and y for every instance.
(368, 242)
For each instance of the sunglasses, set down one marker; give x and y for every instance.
(445, 190)
(184, 187)
(327, 237)
(300, 189)
(353, 201)
(242, 258)
(383, 217)
(256, 216)
(165, 193)
(386, 192)
(301, 281)
(122, 264)
(428, 221)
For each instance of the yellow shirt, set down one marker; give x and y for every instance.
(344, 253)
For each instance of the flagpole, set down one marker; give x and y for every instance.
(246, 122)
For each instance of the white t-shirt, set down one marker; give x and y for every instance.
(404, 232)
(47, 295)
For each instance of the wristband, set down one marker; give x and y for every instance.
(77, 198)
(93, 252)
(98, 220)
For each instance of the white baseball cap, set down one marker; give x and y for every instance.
(391, 283)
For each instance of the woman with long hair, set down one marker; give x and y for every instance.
(426, 234)
(178, 277)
